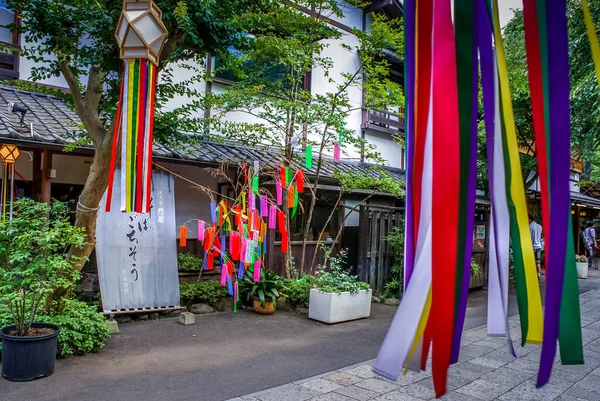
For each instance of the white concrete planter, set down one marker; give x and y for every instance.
(582, 269)
(341, 307)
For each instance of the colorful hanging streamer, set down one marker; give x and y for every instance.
(441, 133)
(134, 124)
(548, 63)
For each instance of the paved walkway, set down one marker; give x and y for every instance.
(486, 371)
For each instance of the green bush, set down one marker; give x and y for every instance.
(332, 277)
(83, 329)
(297, 292)
(188, 262)
(203, 291)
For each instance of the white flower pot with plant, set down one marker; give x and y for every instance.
(338, 296)
(581, 262)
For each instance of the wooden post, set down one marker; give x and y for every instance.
(577, 228)
(46, 181)
(37, 175)
(271, 249)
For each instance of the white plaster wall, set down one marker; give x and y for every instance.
(352, 15)
(345, 61)
(182, 74)
(69, 169)
(573, 182)
(390, 151)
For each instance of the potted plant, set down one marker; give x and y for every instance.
(34, 263)
(581, 261)
(264, 292)
(338, 296)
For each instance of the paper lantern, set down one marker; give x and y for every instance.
(140, 31)
(9, 154)
(141, 36)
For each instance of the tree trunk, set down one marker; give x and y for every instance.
(89, 201)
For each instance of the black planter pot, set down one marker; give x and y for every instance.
(28, 358)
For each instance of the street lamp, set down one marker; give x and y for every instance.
(9, 155)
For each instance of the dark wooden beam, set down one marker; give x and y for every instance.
(37, 175)
(46, 180)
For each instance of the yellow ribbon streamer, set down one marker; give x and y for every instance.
(591, 31)
(517, 191)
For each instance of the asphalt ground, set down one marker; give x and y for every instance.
(222, 356)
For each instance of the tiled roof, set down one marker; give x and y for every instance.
(56, 124)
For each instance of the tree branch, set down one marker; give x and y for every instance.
(170, 46)
(87, 114)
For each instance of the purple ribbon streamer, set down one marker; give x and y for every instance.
(462, 308)
(229, 285)
(409, 251)
(213, 211)
(241, 271)
(559, 137)
(205, 264)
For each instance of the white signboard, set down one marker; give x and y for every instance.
(137, 253)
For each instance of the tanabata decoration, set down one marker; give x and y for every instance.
(240, 242)
(8, 154)
(141, 36)
(442, 69)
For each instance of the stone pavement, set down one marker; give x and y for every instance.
(486, 371)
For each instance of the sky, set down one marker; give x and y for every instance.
(505, 6)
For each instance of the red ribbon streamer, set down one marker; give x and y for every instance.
(113, 154)
(446, 182)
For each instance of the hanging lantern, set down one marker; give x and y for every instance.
(9, 155)
(141, 36)
(141, 33)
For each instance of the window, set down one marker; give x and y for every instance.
(9, 61)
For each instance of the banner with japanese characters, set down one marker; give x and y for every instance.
(137, 253)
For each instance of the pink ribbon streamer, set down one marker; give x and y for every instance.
(200, 230)
(257, 270)
(264, 207)
(279, 193)
(272, 216)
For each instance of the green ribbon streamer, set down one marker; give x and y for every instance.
(255, 184)
(464, 27)
(134, 128)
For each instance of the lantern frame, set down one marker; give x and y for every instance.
(9, 153)
(132, 21)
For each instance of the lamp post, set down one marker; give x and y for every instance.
(9, 155)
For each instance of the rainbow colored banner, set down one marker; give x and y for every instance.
(134, 127)
(441, 80)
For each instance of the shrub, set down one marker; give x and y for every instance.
(334, 278)
(188, 262)
(208, 291)
(34, 258)
(297, 292)
(83, 329)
